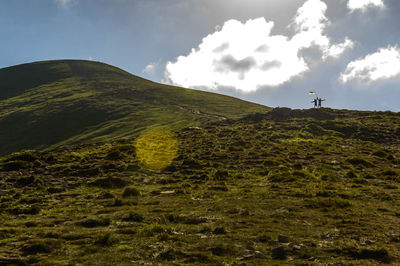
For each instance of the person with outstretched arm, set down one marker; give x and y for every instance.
(315, 101)
(320, 102)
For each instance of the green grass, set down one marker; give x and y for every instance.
(51, 103)
(234, 187)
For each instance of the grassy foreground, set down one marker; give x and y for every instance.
(311, 187)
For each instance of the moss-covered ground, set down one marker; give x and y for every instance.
(296, 187)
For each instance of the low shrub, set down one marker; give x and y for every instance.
(40, 246)
(219, 187)
(185, 219)
(114, 154)
(31, 210)
(327, 203)
(105, 195)
(325, 194)
(117, 202)
(28, 181)
(54, 190)
(105, 240)
(380, 154)
(270, 163)
(133, 217)
(379, 254)
(90, 223)
(219, 231)
(281, 177)
(397, 131)
(130, 192)
(86, 172)
(26, 156)
(221, 175)
(360, 162)
(109, 182)
(155, 229)
(351, 174)
(389, 173)
(16, 165)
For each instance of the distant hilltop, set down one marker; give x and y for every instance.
(50, 103)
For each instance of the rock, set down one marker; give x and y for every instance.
(248, 256)
(296, 247)
(273, 242)
(279, 253)
(311, 244)
(258, 254)
(248, 251)
(393, 237)
(283, 239)
(168, 192)
(367, 242)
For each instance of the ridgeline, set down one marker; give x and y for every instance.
(66, 102)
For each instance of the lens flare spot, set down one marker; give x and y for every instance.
(156, 148)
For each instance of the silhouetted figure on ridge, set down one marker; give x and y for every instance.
(320, 102)
(315, 101)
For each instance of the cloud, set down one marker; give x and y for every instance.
(382, 65)
(229, 64)
(310, 23)
(246, 56)
(364, 4)
(337, 49)
(63, 2)
(150, 69)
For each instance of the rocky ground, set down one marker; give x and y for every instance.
(301, 187)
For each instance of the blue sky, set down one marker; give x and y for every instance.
(346, 50)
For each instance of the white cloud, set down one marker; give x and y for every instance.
(150, 69)
(310, 23)
(246, 56)
(364, 4)
(337, 49)
(382, 65)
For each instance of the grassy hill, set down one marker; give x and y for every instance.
(68, 102)
(289, 187)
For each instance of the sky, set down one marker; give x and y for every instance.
(269, 52)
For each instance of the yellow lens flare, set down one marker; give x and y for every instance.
(156, 148)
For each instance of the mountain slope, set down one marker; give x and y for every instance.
(68, 102)
(289, 187)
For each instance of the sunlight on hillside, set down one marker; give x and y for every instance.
(156, 149)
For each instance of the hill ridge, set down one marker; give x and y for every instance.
(54, 102)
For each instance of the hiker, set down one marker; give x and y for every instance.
(320, 102)
(315, 101)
